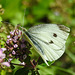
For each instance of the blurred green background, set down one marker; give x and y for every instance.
(41, 12)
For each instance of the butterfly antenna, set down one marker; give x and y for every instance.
(23, 21)
(24, 16)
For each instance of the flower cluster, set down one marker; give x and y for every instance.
(17, 46)
(2, 56)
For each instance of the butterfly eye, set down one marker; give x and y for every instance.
(55, 35)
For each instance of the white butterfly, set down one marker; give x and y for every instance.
(48, 40)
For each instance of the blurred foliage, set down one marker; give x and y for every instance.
(38, 12)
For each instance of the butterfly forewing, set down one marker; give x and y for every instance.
(48, 40)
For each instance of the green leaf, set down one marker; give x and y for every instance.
(3, 72)
(44, 70)
(54, 70)
(16, 61)
(22, 71)
(17, 67)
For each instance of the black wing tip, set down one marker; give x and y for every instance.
(64, 28)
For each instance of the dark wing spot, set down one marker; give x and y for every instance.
(55, 35)
(51, 42)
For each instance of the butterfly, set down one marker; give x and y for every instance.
(48, 40)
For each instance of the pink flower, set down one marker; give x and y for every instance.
(6, 64)
(8, 36)
(15, 46)
(3, 49)
(2, 56)
(12, 33)
(13, 52)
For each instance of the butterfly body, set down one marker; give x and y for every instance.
(48, 40)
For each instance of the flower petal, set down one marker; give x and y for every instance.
(4, 49)
(1, 51)
(9, 60)
(6, 64)
(2, 55)
(1, 60)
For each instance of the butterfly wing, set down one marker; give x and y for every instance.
(48, 40)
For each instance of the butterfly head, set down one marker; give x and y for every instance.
(23, 29)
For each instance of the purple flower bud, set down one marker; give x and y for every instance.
(7, 41)
(10, 39)
(10, 55)
(9, 60)
(15, 37)
(14, 40)
(15, 46)
(13, 52)
(12, 33)
(11, 48)
(2, 55)
(8, 36)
